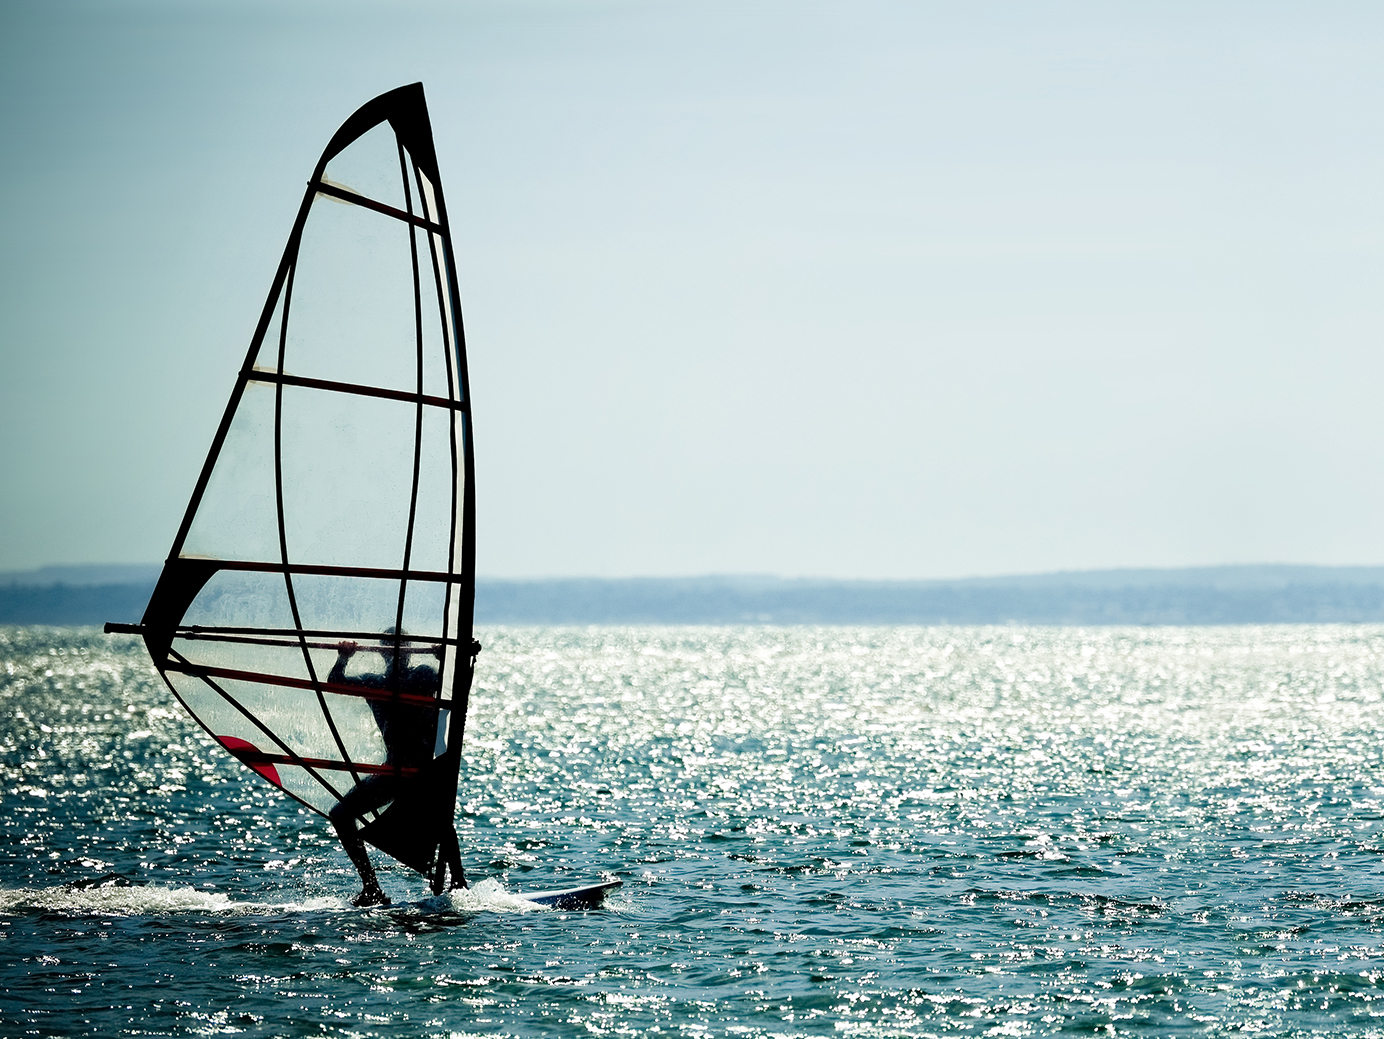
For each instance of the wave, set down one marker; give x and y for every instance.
(488, 895)
(132, 900)
(485, 896)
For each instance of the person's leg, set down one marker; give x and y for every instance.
(371, 894)
(370, 792)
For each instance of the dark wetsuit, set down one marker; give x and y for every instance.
(409, 732)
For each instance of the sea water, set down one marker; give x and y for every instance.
(821, 831)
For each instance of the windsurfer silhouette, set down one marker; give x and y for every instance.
(408, 731)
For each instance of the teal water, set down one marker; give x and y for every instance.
(822, 831)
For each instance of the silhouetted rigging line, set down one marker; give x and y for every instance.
(418, 419)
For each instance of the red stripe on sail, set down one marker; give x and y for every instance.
(251, 755)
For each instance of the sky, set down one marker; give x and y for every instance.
(865, 290)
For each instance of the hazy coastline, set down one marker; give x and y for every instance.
(1250, 594)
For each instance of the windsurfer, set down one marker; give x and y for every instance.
(408, 731)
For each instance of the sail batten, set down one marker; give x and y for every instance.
(253, 757)
(326, 569)
(265, 375)
(313, 684)
(336, 191)
(315, 611)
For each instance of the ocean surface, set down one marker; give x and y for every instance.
(821, 831)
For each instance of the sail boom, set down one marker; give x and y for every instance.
(290, 637)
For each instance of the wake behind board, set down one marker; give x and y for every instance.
(589, 897)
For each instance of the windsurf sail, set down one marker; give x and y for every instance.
(318, 595)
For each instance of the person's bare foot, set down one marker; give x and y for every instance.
(370, 896)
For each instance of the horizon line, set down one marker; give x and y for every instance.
(10, 575)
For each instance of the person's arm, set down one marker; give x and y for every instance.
(344, 652)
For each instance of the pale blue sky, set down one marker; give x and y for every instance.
(856, 290)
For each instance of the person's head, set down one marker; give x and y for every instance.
(407, 649)
(394, 645)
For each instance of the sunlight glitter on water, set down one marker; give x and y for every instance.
(888, 831)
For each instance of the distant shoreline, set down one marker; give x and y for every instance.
(1252, 594)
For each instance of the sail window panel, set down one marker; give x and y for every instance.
(427, 195)
(450, 666)
(444, 731)
(423, 608)
(246, 654)
(216, 713)
(433, 514)
(347, 477)
(295, 716)
(448, 318)
(301, 783)
(435, 343)
(352, 316)
(242, 599)
(333, 603)
(369, 166)
(439, 377)
(458, 531)
(237, 517)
